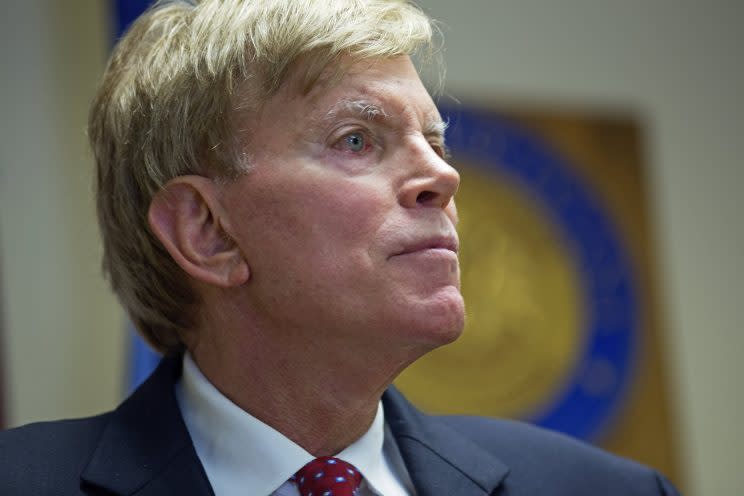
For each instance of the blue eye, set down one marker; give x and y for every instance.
(355, 142)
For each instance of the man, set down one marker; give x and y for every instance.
(278, 219)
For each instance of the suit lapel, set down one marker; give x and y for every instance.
(145, 449)
(439, 460)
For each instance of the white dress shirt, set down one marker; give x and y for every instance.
(242, 456)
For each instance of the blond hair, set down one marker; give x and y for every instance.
(166, 105)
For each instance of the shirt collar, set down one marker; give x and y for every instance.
(239, 451)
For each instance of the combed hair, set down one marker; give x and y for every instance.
(167, 104)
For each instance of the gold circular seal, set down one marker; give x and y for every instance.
(524, 314)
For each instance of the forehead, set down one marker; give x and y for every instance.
(388, 91)
(377, 88)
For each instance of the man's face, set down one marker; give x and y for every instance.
(347, 218)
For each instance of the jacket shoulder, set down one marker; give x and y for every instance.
(545, 460)
(47, 458)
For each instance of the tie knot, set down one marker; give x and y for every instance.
(328, 476)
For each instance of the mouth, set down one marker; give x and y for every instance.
(444, 243)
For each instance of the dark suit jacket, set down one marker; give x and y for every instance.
(143, 448)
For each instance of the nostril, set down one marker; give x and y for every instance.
(425, 197)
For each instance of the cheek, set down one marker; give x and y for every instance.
(346, 212)
(330, 222)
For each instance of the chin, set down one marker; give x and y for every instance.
(439, 322)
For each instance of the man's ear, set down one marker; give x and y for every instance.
(185, 216)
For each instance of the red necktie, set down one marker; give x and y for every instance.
(328, 476)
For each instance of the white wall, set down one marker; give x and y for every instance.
(677, 63)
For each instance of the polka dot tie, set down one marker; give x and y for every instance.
(328, 476)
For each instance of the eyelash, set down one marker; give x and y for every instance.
(440, 149)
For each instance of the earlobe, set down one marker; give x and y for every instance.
(185, 216)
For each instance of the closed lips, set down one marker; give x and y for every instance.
(443, 243)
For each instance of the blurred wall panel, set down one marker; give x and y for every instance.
(62, 343)
(2, 356)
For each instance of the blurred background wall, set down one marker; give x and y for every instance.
(675, 64)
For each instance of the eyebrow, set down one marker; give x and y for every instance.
(370, 111)
(365, 110)
(436, 128)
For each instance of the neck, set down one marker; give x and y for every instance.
(321, 400)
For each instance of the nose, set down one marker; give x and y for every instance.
(432, 182)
